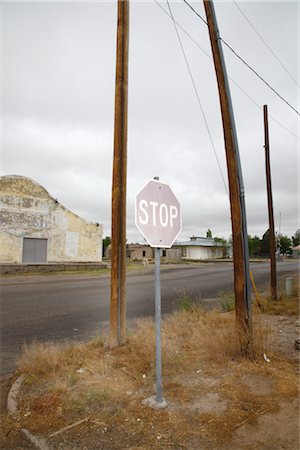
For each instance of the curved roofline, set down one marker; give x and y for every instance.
(50, 196)
(29, 179)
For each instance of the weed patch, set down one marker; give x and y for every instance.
(185, 303)
(211, 390)
(227, 302)
(282, 306)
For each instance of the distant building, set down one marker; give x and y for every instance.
(139, 251)
(198, 248)
(36, 228)
(296, 252)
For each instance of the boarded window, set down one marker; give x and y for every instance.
(34, 250)
(71, 244)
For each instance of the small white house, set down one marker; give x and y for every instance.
(198, 248)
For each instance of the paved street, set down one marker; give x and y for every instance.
(76, 307)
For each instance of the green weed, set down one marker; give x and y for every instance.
(185, 303)
(228, 303)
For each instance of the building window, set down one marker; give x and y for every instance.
(164, 253)
(144, 253)
(184, 252)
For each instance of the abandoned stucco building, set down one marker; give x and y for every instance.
(140, 251)
(36, 228)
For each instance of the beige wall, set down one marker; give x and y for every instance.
(27, 210)
(196, 252)
(136, 251)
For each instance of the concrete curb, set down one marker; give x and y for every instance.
(39, 442)
(12, 407)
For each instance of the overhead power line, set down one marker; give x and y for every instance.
(259, 76)
(244, 62)
(185, 32)
(260, 108)
(266, 44)
(198, 98)
(231, 79)
(194, 11)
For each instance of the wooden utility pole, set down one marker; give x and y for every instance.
(118, 227)
(242, 286)
(270, 208)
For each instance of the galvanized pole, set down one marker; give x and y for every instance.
(242, 285)
(270, 207)
(159, 397)
(118, 227)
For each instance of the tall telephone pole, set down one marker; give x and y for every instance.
(236, 191)
(118, 227)
(270, 207)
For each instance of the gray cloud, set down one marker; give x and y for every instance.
(58, 108)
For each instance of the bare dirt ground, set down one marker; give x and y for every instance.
(217, 400)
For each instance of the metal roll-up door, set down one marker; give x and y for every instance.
(34, 250)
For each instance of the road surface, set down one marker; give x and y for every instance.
(76, 307)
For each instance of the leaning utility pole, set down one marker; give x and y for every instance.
(118, 227)
(270, 208)
(242, 286)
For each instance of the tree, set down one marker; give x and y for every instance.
(265, 244)
(296, 238)
(209, 233)
(285, 245)
(254, 246)
(105, 243)
(220, 240)
(223, 244)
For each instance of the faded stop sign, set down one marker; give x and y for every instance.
(158, 214)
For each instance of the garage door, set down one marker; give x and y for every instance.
(34, 250)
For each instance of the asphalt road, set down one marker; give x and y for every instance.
(76, 307)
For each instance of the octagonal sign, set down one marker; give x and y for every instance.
(158, 214)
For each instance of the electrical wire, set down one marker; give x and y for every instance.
(261, 109)
(198, 98)
(266, 44)
(233, 81)
(182, 29)
(259, 76)
(194, 11)
(244, 62)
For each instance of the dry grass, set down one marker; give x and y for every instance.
(211, 389)
(282, 306)
(49, 358)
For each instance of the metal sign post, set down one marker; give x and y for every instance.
(159, 397)
(158, 217)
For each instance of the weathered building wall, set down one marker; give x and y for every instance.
(172, 253)
(202, 253)
(28, 211)
(10, 250)
(140, 251)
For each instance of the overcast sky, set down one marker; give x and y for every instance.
(57, 86)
